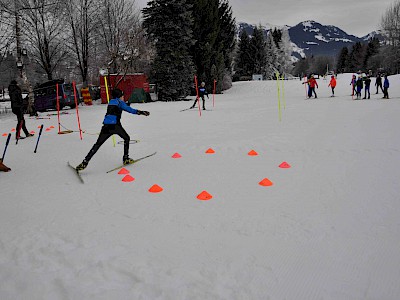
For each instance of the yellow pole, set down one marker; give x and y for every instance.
(108, 100)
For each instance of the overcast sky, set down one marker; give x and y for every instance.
(357, 17)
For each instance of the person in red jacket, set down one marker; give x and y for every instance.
(332, 84)
(312, 83)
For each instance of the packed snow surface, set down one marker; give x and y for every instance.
(327, 228)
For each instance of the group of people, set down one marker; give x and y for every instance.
(357, 82)
(312, 84)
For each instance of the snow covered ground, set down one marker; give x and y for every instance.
(328, 227)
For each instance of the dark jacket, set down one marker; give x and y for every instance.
(367, 82)
(359, 83)
(15, 96)
(202, 91)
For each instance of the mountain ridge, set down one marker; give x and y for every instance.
(312, 38)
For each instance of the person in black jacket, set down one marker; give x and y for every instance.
(378, 83)
(202, 93)
(17, 108)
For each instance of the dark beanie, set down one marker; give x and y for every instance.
(117, 93)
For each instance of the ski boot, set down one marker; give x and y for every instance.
(82, 165)
(127, 161)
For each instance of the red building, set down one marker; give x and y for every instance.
(127, 83)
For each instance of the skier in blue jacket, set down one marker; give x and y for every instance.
(386, 88)
(112, 125)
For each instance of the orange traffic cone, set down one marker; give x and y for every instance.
(155, 189)
(123, 171)
(265, 182)
(204, 196)
(128, 178)
(210, 151)
(284, 165)
(252, 153)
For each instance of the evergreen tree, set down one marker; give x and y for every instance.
(257, 47)
(342, 60)
(214, 31)
(169, 24)
(277, 36)
(356, 57)
(244, 62)
(225, 43)
(205, 30)
(372, 49)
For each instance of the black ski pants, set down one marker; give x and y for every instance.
(21, 122)
(204, 102)
(106, 131)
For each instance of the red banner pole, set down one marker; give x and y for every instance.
(58, 109)
(197, 93)
(214, 92)
(77, 110)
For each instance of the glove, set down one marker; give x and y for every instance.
(143, 112)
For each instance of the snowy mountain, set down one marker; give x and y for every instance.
(312, 38)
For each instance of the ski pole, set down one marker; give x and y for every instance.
(5, 149)
(37, 142)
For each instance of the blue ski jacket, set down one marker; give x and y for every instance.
(386, 83)
(114, 111)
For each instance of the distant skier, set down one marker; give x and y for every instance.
(202, 92)
(112, 125)
(332, 84)
(359, 86)
(386, 88)
(312, 84)
(367, 82)
(378, 83)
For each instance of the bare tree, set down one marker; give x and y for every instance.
(6, 34)
(83, 18)
(390, 24)
(44, 31)
(121, 34)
